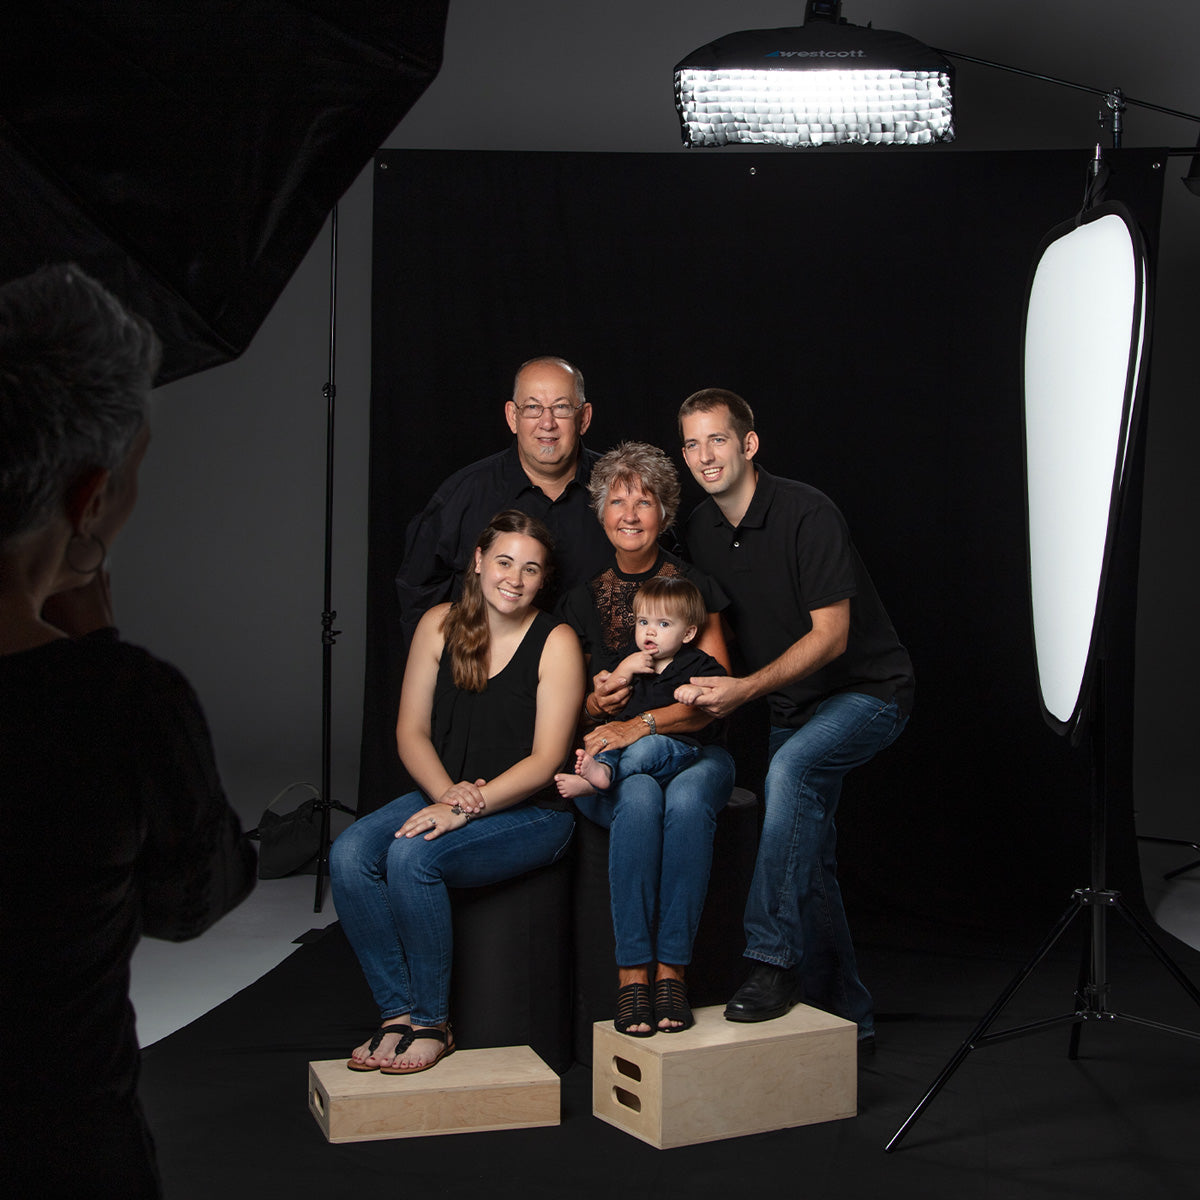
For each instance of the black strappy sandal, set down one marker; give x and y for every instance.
(671, 1004)
(376, 1038)
(633, 1008)
(445, 1036)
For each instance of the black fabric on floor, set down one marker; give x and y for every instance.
(226, 1096)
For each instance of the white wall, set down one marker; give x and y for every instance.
(220, 569)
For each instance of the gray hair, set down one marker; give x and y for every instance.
(636, 464)
(76, 369)
(570, 369)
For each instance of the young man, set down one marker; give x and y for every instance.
(817, 643)
(544, 473)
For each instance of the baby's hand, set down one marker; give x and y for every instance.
(688, 693)
(641, 662)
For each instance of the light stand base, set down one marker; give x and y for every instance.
(1165, 841)
(1091, 996)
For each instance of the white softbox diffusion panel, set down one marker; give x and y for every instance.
(1085, 331)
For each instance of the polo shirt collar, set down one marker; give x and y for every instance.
(760, 503)
(518, 481)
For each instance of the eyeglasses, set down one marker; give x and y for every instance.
(562, 410)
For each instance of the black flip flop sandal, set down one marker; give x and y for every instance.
(376, 1038)
(445, 1036)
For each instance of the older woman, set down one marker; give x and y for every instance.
(487, 710)
(114, 820)
(660, 847)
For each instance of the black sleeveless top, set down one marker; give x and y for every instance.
(478, 735)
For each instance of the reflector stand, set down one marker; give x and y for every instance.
(1086, 331)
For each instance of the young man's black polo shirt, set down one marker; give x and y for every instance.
(790, 554)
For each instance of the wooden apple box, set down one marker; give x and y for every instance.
(722, 1079)
(468, 1092)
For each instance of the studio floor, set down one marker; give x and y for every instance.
(230, 1021)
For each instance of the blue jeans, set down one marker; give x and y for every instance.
(794, 914)
(659, 855)
(657, 755)
(391, 893)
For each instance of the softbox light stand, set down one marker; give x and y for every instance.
(1087, 330)
(325, 802)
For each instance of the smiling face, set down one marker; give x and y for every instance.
(511, 571)
(718, 460)
(632, 522)
(660, 633)
(547, 445)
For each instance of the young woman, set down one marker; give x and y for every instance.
(487, 713)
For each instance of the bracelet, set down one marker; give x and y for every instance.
(648, 717)
(458, 811)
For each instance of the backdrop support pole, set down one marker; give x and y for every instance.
(328, 634)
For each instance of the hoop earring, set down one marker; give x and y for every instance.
(99, 562)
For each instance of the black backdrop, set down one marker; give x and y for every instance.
(869, 305)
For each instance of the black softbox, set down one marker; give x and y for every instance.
(188, 154)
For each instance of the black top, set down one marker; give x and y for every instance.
(439, 541)
(601, 610)
(657, 690)
(791, 554)
(479, 735)
(114, 824)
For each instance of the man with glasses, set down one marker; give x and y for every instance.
(544, 473)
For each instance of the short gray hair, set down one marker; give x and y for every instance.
(636, 463)
(76, 369)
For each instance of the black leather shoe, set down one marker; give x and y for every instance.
(768, 993)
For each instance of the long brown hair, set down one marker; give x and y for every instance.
(465, 628)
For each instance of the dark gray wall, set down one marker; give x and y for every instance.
(220, 570)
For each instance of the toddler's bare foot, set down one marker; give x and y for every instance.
(572, 786)
(596, 773)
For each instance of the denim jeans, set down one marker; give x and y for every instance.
(659, 855)
(657, 755)
(794, 914)
(391, 893)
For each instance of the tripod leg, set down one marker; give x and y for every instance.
(1182, 870)
(322, 858)
(1158, 952)
(1085, 971)
(992, 1013)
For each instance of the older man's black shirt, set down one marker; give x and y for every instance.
(440, 539)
